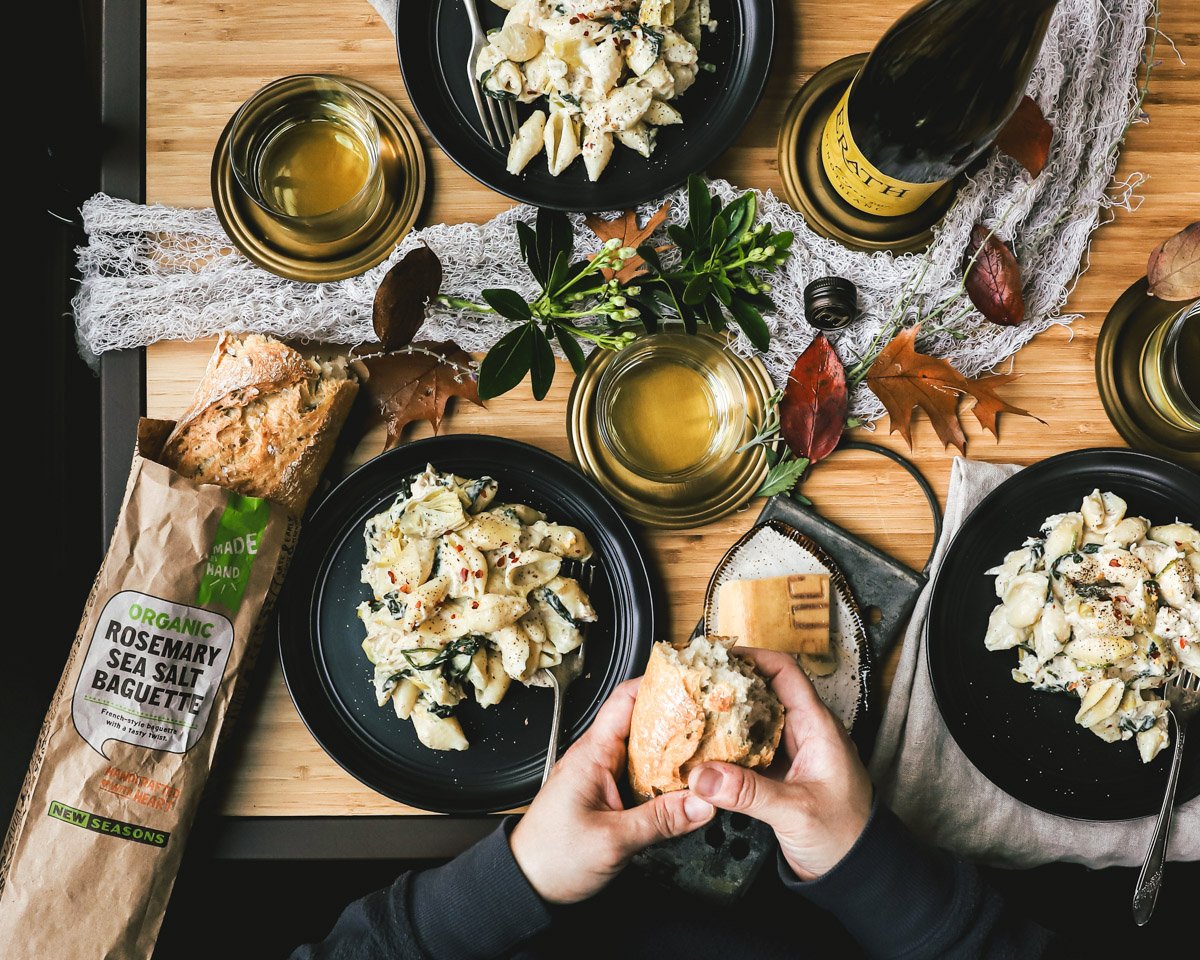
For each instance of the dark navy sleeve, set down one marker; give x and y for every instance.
(903, 901)
(478, 905)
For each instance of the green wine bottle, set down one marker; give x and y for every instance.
(932, 96)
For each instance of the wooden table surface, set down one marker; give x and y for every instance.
(204, 58)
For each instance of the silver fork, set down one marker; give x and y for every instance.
(499, 117)
(563, 674)
(1183, 698)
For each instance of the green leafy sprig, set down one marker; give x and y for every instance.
(717, 277)
(786, 469)
(723, 255)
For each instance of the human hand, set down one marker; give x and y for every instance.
(817, 796)
(577, 834)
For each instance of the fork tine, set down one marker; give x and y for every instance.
(497, 112)
(510, 117)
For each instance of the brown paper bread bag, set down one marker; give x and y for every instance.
(168, 635)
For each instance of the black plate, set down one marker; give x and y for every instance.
(1025, 741)
(329, 676)
(434, 42)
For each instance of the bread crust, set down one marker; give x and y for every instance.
(667, 725)
(670, 734)
(263, 422)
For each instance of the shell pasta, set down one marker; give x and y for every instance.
(604, 69)
(1103, 606)
(467, 596)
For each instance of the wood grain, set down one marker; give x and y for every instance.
(204, 59)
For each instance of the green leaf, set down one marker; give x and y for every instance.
(760, 301)
(508, 303)
(541, 369)
(681, 238)
(697, 289)
(751, 322)
(723, 289)
(572, 349)
(738, 213)
(507, 362)
(714, 316)
(699, 207)
(783, 477)
(782, 241)
(559, 273)
(555, 235)
(647, 252)
(529, 252)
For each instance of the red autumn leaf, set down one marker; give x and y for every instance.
(1026, 137)
(812, 413)
(416, 383)
(1174, 267)
(993, 281)
(904, 379)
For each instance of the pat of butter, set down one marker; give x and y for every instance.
(790, 614)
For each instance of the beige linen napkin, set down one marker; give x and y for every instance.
(923, 775)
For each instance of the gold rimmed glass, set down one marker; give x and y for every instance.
(670, 407)
(1171, 368)
(305, 150)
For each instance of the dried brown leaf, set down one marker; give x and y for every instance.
(416, 383)
(904, 379)
(1026, 137)
(1174, 267)
(400, 301)
(625, 228)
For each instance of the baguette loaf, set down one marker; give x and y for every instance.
(263, 421)
(697, 704)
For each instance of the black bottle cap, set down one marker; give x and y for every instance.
(830, 303)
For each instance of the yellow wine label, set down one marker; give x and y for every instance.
(858, 181)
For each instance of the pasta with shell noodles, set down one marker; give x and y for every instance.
(466, 598)
(1105, 607)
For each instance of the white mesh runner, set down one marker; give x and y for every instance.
(155, 273)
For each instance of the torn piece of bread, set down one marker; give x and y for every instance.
(697, 704)
(263, 421)
(790, 614)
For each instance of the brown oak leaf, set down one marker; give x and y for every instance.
(812, 413)
(993, 281)
(1174, 267)
(400, 300)
(1026, 137)
(625, 228)
(904, 379)
(989, 406)
(416, 383)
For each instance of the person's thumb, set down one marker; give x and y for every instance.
(735, 788)
(670, 815)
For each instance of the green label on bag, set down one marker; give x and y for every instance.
(114, 828)
(235, 546)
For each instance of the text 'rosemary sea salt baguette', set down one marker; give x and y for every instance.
(169, 632)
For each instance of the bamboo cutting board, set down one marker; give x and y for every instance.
(204, 59)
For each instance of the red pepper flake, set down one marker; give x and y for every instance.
(458, 547)
(474, 604)
(573, 21)
(1183, 643)
(1114, 562)
(454, 616)
(405, 588)
(500, 562)
(419, 604)
(512, 556)
(391, 576)
(478, 574)
(463, 574)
